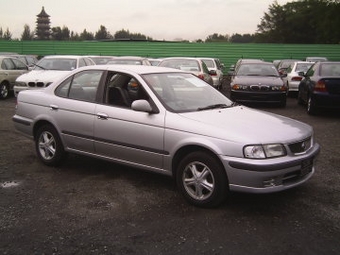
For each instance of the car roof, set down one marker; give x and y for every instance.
(65, 56)
(184, 58)
(138, 69)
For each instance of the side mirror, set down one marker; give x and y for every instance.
(212, 72)
(301, 73)
(141, 106)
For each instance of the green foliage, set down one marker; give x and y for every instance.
(126, 35)
(303, 21)
(103, 34)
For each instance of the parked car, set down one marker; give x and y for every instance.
(48, 70)
(170, 122)
(129, 61)
(193, 65)
(292, 76)
(258, 82)
(316, 59)
(28, 60)
(10, 69)
(233, 68)
(320, 87)
(215, 70)
(284, 64)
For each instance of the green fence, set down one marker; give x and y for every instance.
(228, 53)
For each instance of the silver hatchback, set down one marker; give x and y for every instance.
(171, 122)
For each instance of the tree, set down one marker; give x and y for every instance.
(7, 35)
(245, 38)
(60, 34)
(86, 36)
(303, 21)
(217, 38)
(103, 34)
(27, 35)
(126, 35)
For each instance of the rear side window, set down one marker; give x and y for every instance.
(7, 64)
(82, 86)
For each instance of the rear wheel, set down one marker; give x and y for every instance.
(49, 146)
(4, 90)
(311, 108)
(202, 179)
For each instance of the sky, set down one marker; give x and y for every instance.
(159, 19)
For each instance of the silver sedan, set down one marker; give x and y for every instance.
(171, 122)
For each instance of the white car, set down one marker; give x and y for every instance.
(292, 78)
(215, 70)
(48, 70)
(170, 122)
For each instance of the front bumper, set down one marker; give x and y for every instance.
(260, 97)
(270, 175)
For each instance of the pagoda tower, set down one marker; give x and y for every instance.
(43, 30)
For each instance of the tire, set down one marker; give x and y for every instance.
(4, 90)
(202, 180)
(311, 108)
(48, 146)
(300, 100)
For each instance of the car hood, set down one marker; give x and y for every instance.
(257, 80)
(42, 76)
(243, 124)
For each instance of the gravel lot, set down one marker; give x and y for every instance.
(89, 206)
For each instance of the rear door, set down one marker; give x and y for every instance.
(74, 109)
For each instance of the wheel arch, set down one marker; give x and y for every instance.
(185, 150)
(39, 124)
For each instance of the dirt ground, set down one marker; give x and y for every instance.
(88, 206)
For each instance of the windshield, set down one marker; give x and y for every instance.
(257, 70)
(181, 64)
(303, 67)
(59, 64)
(182, 92)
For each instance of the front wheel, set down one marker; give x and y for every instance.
(4, 90)
(49, 146)
(202, 180)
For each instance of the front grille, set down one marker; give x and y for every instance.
(301, 146)
(260, 88)
(38, 84)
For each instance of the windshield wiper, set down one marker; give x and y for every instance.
(39, 66)
(213, 106)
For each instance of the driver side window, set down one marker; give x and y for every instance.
(122, 90)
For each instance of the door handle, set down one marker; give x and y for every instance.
(54, 107)
(102, 116)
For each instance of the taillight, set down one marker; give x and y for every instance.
(201, 76)
(320, 86)
(296, 78)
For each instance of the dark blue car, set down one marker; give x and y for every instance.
(320, 87)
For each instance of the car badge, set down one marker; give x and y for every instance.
(303, 146)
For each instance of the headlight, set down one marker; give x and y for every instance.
(264, 151)
(20, 84)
